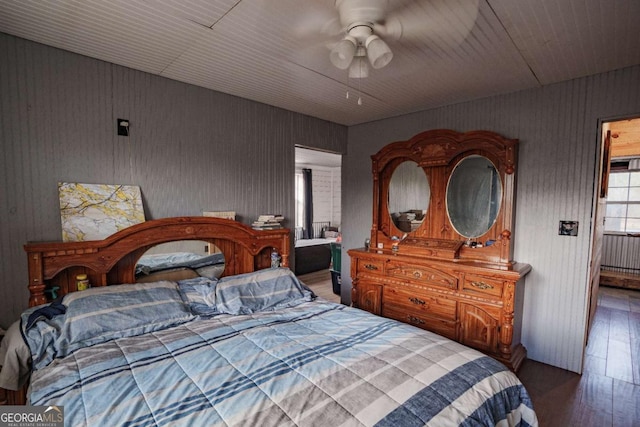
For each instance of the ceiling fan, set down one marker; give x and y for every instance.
(363, 28)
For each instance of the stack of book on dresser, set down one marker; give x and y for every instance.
(268, 222)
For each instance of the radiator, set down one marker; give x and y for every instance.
(621, 254)
(318, 227)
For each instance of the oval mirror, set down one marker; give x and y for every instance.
(474, 194)
(408, 196)
(180, 260)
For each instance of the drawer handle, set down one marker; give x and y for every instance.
(417, 274)
(370, 267)
(417, 320)
(417, 301)
(481, 285)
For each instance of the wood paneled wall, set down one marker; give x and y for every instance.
(558, 129)
(190, 149)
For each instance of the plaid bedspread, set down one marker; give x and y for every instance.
(317, 364)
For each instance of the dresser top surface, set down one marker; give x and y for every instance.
(517, 268)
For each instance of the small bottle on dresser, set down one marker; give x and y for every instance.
(82, 282)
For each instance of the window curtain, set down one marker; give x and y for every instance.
(308, 204)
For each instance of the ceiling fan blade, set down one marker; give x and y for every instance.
(443, 22)
(318, 23)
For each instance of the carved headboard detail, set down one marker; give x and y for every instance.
(112, 261)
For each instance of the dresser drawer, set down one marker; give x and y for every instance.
(422, 274)
(446, 328)
(368, 296)
(482, 285)
(408, 299)
(370, 266)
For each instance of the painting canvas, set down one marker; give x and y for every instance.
(96, 211)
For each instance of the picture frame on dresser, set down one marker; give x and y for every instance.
(441, 251)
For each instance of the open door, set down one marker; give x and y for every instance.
(598, 227)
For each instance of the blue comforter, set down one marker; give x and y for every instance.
(315, 364)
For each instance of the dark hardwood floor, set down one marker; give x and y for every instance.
(608, 391)
(607, 394)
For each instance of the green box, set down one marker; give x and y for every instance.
(336, 256)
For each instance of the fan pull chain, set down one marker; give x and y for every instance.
(347, 94)
(348, 85)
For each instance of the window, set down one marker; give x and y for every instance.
(623, 202)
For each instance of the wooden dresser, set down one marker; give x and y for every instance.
(479, 306)
(441, 244)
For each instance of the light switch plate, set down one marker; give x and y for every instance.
(568, 228)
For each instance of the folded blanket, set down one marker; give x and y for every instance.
(48, 311)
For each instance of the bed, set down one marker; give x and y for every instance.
(314, 254)
(254, 347)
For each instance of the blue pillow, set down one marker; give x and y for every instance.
(104, 313)
(262, 290)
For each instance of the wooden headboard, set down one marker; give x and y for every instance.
(112, 261)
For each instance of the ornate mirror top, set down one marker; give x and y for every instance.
(467, 184)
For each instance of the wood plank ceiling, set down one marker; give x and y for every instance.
(625, 138)
(273, 51)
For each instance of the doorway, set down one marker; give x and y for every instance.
(621, 234)
(325, 184)
(615, 253)
(318, 194)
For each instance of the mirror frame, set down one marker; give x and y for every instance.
(438, 152)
